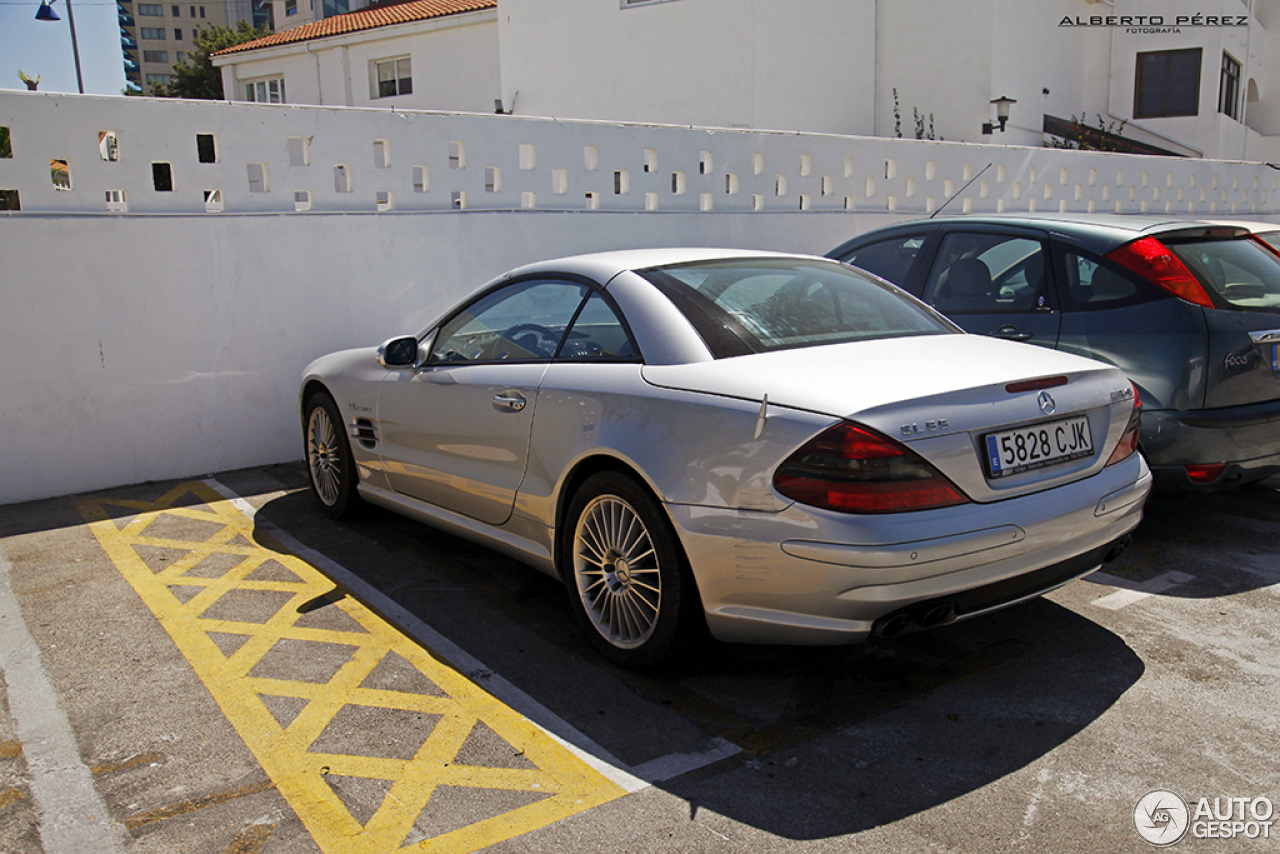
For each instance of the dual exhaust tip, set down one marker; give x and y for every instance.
(924, 616)
(927, 615)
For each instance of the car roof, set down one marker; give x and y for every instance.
(1099, 232)
(603, 266)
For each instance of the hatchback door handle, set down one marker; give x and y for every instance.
(1012, 333)
(511, 400)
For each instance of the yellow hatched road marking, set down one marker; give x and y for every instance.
(542, 767)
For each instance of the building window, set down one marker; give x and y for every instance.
(177, 11)
(151, 32)
(177, 35)
(155, 56)
(162, 79)
(182, 56)
(291, 7)
(265, 91)
(151, 10)
(394, 77)
(1229, 87)
(1168, 84)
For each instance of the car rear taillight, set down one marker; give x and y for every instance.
(852, 469)
(1153, 261)
(1128, 443)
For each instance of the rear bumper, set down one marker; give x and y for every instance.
(1245, 438)
(813, 577)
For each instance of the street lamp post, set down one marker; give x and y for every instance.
(46, 13)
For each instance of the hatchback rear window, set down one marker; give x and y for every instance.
(754, 305)
(1239, 273)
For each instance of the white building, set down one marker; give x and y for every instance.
(1199, 78)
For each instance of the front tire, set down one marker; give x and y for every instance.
(629, 583)
(330, 467)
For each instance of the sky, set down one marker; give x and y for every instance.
(43, 48)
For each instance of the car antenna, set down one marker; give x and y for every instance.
(958, 192)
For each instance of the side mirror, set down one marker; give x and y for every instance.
(399, 352)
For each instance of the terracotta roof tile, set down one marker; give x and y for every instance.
(366, 19)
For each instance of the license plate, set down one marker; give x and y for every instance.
(1011, 452)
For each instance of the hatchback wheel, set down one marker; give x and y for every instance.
(629, 583)
(329, 463)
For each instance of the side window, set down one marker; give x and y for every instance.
(890, 259)
(1090, 283)
(987, 274)
(597, 335)
(521, 322)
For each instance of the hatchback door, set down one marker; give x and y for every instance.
(1242, 277)
(995, 282)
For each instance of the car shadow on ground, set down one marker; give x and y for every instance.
(1204, 545)
(823, 741)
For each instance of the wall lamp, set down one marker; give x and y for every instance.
(46, 13)
(1002, 113)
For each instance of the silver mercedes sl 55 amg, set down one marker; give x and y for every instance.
(775, 448)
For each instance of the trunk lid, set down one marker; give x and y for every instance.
(1242, 277)
(941, 395)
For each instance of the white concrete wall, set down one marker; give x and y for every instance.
(166, 341)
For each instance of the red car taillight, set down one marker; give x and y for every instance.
(1128, 443)
(855, 470)
(1153, 261)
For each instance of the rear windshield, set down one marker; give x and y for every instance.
(1240, 273)
(754, 305)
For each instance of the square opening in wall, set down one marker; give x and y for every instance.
(341, 178)
(117, 201)
(9, 200)
(213, 201)
(421, 179)
(381, 154)
(492, 179)
(60, 174)
(299, 151)
(385, 200)
(109, 145)
(206, 148)
(457, 155)
(302, 200)
(6, 144)
(162, 177)
(258, 178)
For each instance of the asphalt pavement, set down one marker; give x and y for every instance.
(212, 665)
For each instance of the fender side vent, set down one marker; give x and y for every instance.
(366, 435)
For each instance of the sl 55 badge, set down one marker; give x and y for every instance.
(929, 427)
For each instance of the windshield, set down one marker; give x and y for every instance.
(753, 305)
(1240, 273)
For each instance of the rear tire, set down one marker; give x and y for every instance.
(629, 583)
(331, 469)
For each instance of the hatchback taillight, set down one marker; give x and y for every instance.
(1128, 443)
(1153, 261)
(852, 469)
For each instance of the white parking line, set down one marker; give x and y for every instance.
(72, 816)
(1135, 591)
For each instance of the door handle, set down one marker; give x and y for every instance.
(1011, 333)
(510, 400)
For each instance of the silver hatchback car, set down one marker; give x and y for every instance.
(777, 448)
